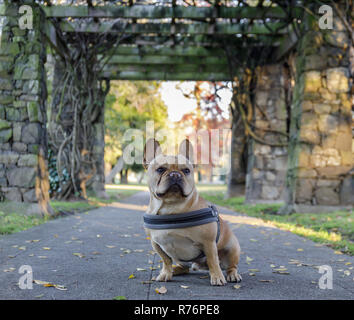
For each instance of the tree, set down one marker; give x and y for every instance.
(129, 105)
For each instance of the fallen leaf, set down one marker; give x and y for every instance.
(140, 269)
(280, 269)
(348, 263)
(46, 248)
(161, 290)
(131, 276)
(22, 248)
(96, 252)
(110, 247)
(347, 272)
(146, 281)
(48, 284)
(120, 298)
(204, 277)
(248, 259)
(11, 269)
(338, 252)
(42, 257)
(253, 270)
(80, 255)
(138, 250)
(184, 287)
(253, 240)
(300, 249)
(252, 274)
(39, 296)
(281, 272)
(272, 265)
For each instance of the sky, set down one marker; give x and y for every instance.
(178, 105)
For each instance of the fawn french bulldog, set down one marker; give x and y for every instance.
(172, 192)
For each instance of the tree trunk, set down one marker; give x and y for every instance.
(236, 181)
(124, 176)
(118, 167)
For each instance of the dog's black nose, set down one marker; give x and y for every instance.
(175, 175)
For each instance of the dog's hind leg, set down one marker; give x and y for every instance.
(180, 269)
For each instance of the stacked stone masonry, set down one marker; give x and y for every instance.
(267, 164)
(22, 112)
(322, 158)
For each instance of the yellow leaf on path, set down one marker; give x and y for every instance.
(300, 249)
(280, 269)
(161, 290)
(248, 259)
(110, 246)
(348, 263)
(147, 238)
(140, 269)
(252, 274)
(338, 252)
(347, 272)
(184, 287)
(80, 255)
(272, 265)
(48, 284)
(46, 248)
(253, 270)
(131, 276)
(253, 240)
(237, 286)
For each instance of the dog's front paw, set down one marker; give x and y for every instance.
(217, 280)
(233, 276)
(164, 276)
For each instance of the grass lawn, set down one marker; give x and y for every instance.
(13, 219)
(335, 229)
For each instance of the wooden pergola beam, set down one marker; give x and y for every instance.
(182, 51)
(169, 29)
(160, 12)
(187, 76)
(166, 68)
(171, 60)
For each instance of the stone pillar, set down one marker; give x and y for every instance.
(267, 162)
(320, 150)
(23, 142)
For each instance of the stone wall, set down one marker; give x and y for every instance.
(267, 163)
(22, 108)
(320, 151)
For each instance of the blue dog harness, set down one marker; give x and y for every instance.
(184, 220)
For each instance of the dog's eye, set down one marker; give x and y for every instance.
(161, 170)
(186, 171)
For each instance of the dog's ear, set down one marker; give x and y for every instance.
(186, 149)
(151, 150)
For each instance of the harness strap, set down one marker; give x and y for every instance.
(184, 220)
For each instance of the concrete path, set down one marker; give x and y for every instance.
(93, 255)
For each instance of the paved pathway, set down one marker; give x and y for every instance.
(93, 255)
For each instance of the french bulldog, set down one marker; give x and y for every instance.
(172, 191)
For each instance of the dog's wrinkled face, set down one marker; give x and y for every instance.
(170, 178)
